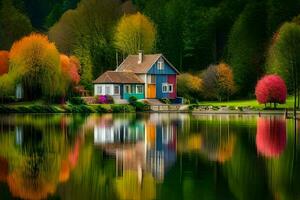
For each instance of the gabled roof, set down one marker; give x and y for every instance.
(118, 77)
(130, 64)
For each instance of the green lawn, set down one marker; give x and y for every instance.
(245, 103)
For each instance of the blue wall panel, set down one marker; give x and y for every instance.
(160, 79)
(167, 69)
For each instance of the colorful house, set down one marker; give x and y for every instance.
(144, 76)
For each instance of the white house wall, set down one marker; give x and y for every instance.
(144, 78)
(104, 89)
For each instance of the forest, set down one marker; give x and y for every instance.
(240, 39)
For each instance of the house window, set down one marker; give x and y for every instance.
(107, 89)
(139, 89)
(133, 89)
(116, 90)
(127, 89)
(167, 88)
(160, 64)
(151, 79)
(99, 89)
(170, 88)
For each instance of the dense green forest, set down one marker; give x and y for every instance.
(192, 34)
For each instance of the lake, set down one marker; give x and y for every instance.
(149, 156)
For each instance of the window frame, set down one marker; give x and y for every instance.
(160, 64)
(116, 86)
(99, 89)
(127, 89)
(107, 90)
(169, 88)
(137, 90)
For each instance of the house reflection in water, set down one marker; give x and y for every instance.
(148, 145)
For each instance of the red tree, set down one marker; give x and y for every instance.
(271, 89)
(70, 67)
(4, 62)
(271, 136)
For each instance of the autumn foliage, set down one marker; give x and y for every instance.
(135, 32)
(4, 56)
(271, 136)
(69, 68)
(271, 89)
(189, 86)
(218, 82)
(36, 62)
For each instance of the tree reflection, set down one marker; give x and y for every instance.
(271, 136)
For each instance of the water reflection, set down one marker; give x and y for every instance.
(271, 136)
(148, 156)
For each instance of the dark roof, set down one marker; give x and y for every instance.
(118, 77)
(130, 64)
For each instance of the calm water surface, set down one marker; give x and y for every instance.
(149, 156)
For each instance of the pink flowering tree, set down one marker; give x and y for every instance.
(271, 89)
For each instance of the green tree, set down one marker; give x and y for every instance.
(279, 11)
(86, 32)
(246, 47)
(283, 57)
(13, 24)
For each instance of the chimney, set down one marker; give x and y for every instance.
(140, 57)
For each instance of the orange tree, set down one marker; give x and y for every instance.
(218, 82)
(35, 63)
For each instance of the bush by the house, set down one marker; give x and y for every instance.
(189, 86)
(132, 100)
(105, 99)
(271, 89)
(166, 101)
(122, 108)
(76, 101)
(102, 109)
(140, 106)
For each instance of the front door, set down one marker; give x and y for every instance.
(151, 91)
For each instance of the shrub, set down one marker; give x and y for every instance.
(189, 86)
(102, 109)
(79, 109)
(105, 99)
(271, 89)
(166, 101)
(122, 108)
(132, 100)
(77, 101)
(140, 106)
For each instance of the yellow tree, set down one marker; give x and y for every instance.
(189, 86)
(35, 62)
(226, 85)
(135, 32)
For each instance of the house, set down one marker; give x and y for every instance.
(143, 76)
(120, 85)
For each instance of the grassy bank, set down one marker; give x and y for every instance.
(248, 103)
(38, 107)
